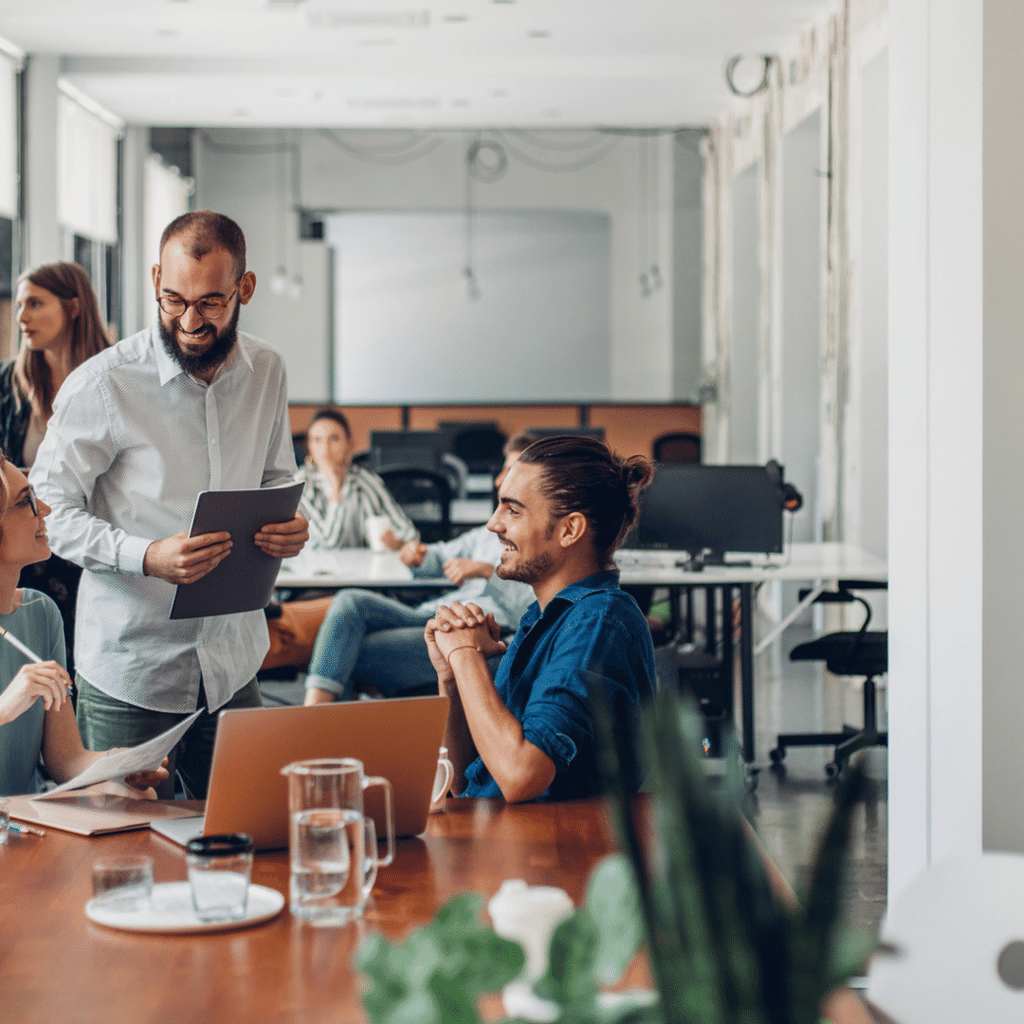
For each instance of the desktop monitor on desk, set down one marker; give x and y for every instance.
(407, 449)
(707, 511)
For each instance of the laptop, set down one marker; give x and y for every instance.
(398, 739)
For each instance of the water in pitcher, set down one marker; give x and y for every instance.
(326, 865)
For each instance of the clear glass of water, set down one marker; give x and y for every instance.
(321, 854)
(123, 882)
(5, 820)
(219, 871)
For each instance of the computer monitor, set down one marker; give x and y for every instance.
(710, 510)
(417, 449)
(539, 432)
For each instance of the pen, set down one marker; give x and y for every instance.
(27, 651)
(17, 826)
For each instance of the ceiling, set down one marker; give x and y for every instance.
(402, 63)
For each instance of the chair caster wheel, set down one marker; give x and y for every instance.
(832, 769)
(778, 755)
(750, 777)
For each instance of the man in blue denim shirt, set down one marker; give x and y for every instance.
(528, 734)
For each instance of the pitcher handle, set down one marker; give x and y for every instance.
(376, 780)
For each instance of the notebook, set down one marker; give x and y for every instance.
(93, 812)
(398, 739)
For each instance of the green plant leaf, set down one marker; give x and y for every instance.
(614, 904)
(569, 979)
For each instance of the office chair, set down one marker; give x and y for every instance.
(682, 446)
(300, 447)
(479, 445)
(849, 653)
(425, 496)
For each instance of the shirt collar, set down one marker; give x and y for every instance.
(608, 579)
(168, 367)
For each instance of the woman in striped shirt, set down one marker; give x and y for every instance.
(339, 496)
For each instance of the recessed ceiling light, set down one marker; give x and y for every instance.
(240, 112)
(455, 19)
(499, 94)
(166, 33)
(539, 33)
(552, 112)
(462, 102)
(375, 42)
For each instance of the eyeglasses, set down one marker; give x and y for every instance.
(208, 309)
(29, 499)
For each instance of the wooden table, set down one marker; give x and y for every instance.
(57, 966)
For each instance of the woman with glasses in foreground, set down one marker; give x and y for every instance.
(36, 716)
(61, 327)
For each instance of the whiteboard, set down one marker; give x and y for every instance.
(409, 329)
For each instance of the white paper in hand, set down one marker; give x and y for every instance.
(145, 757)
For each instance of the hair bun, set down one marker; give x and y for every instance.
(637, 472)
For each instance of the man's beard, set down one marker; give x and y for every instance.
(529, 571)
(221, 348)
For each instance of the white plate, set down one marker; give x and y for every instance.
(170, 911)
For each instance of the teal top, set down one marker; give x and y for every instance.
(37, 624)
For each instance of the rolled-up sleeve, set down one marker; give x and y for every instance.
(558, 719)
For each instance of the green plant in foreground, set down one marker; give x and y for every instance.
(722, 948)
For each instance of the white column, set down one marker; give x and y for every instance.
(939, 497)
(1002, 510)
(40, 181)
(135, 261)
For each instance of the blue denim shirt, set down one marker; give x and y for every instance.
(591, 633)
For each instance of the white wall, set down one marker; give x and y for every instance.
(801, 318)
(241, 183)
(746, 294)
(1002, 425)
(870, 331)
(40, 181)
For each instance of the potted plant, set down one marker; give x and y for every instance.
(721, 946)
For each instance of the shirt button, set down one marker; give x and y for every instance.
(213, 442)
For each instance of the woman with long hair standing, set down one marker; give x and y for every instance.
(61, 327)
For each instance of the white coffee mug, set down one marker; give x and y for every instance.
(373, 530)
(442, 781)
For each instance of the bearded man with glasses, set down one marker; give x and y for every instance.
(137, 432)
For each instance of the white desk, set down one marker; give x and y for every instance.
(818, 564)
(353, 567)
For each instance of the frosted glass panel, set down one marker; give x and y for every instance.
(408, 329)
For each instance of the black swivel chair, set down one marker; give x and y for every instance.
(425, 496)
(479, 445)
(862, 652)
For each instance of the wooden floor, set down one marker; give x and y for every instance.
(789, 807)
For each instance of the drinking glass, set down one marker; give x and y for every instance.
(5, 820)
(219, 870)
(123, 882)
(327, 837)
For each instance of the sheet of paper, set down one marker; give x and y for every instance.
(146, 756)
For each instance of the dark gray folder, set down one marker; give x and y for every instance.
(244, 581)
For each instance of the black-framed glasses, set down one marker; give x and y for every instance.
(29, 499)
(208, 308)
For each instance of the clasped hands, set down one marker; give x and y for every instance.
(461, 625)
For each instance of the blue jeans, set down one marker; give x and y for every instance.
(372, 638)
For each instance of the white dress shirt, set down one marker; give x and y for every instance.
(132, 441)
